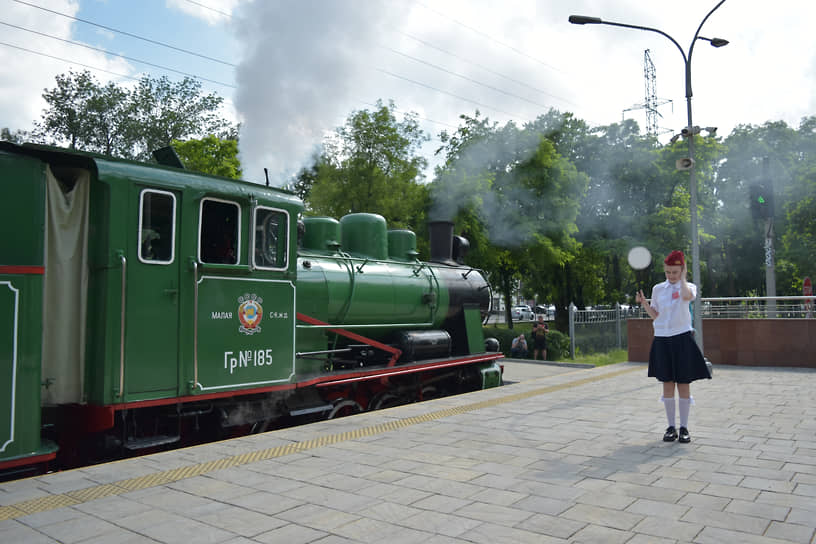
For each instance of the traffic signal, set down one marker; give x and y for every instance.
(761, 200)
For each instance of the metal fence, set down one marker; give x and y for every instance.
(758, 308)
(599, 330)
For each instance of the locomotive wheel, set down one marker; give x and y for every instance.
(429, 392)
(345, 408)
(386, 400)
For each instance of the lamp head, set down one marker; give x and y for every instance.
(715, 42)
(584, 20)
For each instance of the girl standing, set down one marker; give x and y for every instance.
(674, 358)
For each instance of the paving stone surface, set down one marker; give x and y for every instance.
(562, 455)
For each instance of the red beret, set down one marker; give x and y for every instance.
(675, 258)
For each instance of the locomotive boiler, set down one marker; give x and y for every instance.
(143, 306)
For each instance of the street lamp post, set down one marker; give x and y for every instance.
(689, 132)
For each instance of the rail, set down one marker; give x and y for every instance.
(195, 383)
(793, 307)
(123, 259)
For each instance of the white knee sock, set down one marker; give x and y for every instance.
(669, 404)
(685, 405)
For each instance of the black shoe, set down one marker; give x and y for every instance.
(684, 436)
(671, 434)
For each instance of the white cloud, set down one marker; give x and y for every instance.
(28, 62)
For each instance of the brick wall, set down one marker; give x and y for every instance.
(749, 342)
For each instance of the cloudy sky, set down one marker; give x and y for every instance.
(292, 71)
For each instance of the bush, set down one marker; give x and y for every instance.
(558, 345)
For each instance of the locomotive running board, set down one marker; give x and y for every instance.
(395, 353)
(136, 444)
(349, 377)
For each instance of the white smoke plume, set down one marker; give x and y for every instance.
(469, 183)
(304, 64)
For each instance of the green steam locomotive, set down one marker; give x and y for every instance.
(143, 306)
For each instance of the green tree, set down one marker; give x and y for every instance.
(66, 121)
(621, 171)
(303, 181)
(462, 191)
(112, 119)
(210, 155)
(635, 197)
(109, 124)
(511, 190)
(797, 207)
(17, 136)
(623, 191)
(167, 110)
(371, 164)
(784, 159)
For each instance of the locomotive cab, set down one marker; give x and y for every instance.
(132, 285)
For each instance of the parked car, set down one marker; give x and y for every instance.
(547, 311)
(522, 313)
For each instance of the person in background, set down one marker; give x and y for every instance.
(674, 359)
(518, 348)
(540, 330)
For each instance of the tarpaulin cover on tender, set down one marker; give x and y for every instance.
(66, 286)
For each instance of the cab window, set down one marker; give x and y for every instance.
(157, 226)
(271, 238)
(219, 234)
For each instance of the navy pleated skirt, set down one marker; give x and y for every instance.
(677, 359)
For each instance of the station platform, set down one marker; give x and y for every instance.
(563, 454)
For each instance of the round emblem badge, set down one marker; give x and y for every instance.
(250, 313)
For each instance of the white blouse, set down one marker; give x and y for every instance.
(674, 316)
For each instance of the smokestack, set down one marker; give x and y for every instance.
(440, 234)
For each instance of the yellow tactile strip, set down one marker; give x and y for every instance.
(71, 498)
